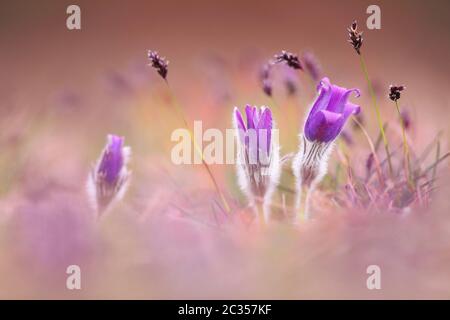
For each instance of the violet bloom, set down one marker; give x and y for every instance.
(324, 123)
(265, 79)
(108, 181)
(329, 113)
(258, 164)
(406, 119)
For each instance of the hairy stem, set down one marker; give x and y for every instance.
(302, 204)
(260, 211)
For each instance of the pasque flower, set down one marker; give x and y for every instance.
(329, 112)
(258, 164)
(324, 123)
(108, 181)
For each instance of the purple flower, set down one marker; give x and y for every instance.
(112, 160)
(265, 79)
(290, 81)
(258, 160)
(258, 129)
(109, 179)
(312, 65)
(347, 137)
(258, 166)
(406, 118)
(329, 112)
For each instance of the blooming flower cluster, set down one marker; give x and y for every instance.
(259, 165)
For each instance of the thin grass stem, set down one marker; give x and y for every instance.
(405, 148)
(377, 112)
(180, 112)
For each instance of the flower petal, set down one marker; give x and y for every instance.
(265, 123)
(323, 126)
(239, 121)
(250, 111)
(351, 108)
(240, 125)
(112, 159)
(323, 97)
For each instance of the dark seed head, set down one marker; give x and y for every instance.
(159, 63)
(355, 37)
(289, 58)
(394, 92)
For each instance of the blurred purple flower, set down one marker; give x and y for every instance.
(329, 112)
(312, 65)
(406, 118)
(290, 81)
(70, 99)
(265, 79)
(369, 163)
(267, 87)
(347, 137)
(117, 83)
(53, 232)
(109, 179)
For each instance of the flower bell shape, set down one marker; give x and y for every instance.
(258, 160)
(329, 112)
(324, 123)
(108, 181)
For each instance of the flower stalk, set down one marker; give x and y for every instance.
(394, 95)
(356, 40)
(161, 66)
(377, 113)
(324, 123)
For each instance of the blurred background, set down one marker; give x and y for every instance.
(62, 91)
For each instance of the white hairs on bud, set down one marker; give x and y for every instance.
(266, 176)
(309, 166)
